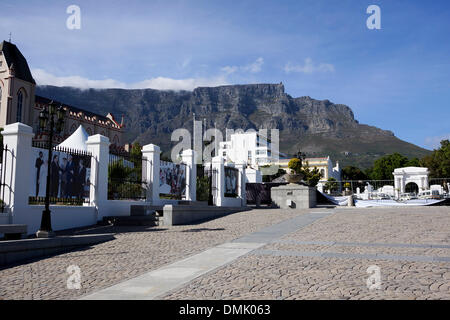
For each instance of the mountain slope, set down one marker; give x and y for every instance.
(317, 127)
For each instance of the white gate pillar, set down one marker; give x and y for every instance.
(98, 146)
(152, 153)
(242, 192)
(188, 158)
(219, 194)
(17, 168)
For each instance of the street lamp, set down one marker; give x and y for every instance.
(51, 119)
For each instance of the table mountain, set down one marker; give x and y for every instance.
(316, 127)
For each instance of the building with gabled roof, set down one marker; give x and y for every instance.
(19, 103)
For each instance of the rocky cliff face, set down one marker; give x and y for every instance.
(318, 127)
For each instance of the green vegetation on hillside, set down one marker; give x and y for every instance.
(438, 162)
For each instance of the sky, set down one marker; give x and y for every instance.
(396, 78)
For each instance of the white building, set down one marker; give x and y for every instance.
(249, 147)
(416, 177)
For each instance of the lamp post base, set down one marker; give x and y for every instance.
(45, 234)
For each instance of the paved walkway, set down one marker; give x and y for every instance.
(334, 257)
(158, 282)
(259, 254)
(134, 252)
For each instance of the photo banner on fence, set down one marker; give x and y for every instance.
(231, 181)
(172, 178)
(69, 174)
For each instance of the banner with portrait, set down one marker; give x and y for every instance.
(231, 182)
(69, 174)
(172, 178)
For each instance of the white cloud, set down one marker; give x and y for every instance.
(435, 142)
(230, 69)
(309, 67)
(161, 83)
(253, 67)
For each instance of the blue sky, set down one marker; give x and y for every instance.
(396, 78)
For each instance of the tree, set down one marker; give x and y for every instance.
(311, 176)
(331, 185)
(353, 173)
(439, 161)
(295, 164)
(202, 188)
(385, 166)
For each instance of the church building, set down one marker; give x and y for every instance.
(19, 103)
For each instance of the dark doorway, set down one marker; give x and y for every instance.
(412, 187)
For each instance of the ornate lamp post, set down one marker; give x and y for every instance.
(51, 119)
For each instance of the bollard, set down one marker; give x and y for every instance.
(350, 202)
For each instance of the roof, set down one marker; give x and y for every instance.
(44, 100)
(77, 140)
(412, 170)
(14, 57)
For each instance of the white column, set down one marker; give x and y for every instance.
(188, 158)
(402, 185)
(17, 165)
(152, 153)
(219, 194)
(98, 146)
(242, 193)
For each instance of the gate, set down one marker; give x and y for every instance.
(126, 180)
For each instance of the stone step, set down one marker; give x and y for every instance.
(144, 210)
(192, 203)
(150, 220)
(13, 231)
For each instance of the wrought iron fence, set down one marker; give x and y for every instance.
(5, 164)
(69, 175)
(126, 176)
(381, 186)
(213, 176)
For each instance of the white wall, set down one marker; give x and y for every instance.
(120, 208)
(253, 176)
(63, 217)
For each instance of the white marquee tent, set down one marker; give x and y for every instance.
(77, 140)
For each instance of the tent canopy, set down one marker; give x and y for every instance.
(77, 140)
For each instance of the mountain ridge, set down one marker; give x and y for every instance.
(317, 127)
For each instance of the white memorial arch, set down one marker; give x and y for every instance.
(403, 176)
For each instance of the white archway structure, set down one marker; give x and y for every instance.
(403, 176)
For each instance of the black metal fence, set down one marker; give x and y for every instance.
(213, 177)
(5, 164)
(69, 175)
(259, 193)
(126, 176)
(345, 187)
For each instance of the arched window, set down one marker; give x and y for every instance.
(19, 106)
(89, 131)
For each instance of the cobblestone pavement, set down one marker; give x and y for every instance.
(402, 242)
(135, 250)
